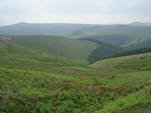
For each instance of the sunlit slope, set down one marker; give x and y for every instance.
(70, 48)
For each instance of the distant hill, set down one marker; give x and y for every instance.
(140, 24)
(115, 39)
(143, 44)
(70, 30)
(41, 29)
(119, 35)
(90, 41)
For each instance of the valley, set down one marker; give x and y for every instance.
(84, 73)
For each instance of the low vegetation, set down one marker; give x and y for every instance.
(34, 82)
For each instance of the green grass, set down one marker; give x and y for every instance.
(29, 91)
(35, 82)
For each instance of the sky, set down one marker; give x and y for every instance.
(75, 11)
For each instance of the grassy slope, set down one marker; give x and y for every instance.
(125, 72)
(70, 48)
(20, 58)
(135, 34)
(131, 63)
(65, 86)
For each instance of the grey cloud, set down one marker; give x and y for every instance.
(81, 11)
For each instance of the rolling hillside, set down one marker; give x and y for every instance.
(30, 60)
(66, 47)
(34, 82)
(104, 50)
(128, 70)
(139, 62)
(119, 35)
(50, 74)
(115, 34)
(70, 48)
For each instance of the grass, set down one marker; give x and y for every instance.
(130, 63)
(21, 58)
(34, 82)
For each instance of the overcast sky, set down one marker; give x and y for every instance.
(74, 11)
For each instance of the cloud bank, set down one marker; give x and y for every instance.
(74, 11)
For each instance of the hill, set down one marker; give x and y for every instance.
(128, 70)
(41, 29)
(140, 24)
(70, 48)
(123, 35)
(130, 63)
(123, 53)
(143, 44)
(119, 35)
(30, 60)
(30, 83)
(46, 74)
(104, 50)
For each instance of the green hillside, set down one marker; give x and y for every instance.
(104, 50)
(140, 62)
(83, 50)
(21, 58)
(126, 72)
(123, 35)
(70, 48)
(128, 34)
(32, 82)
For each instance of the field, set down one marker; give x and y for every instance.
(34, 82)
